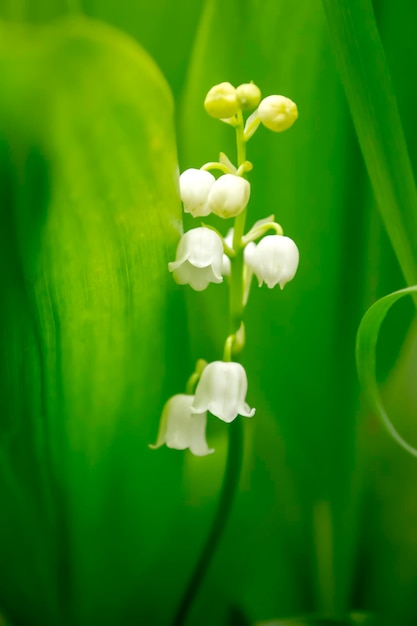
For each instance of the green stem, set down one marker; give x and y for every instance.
(240, 140)
(228, 492)
(237, 263)
(234, 456)
(228, 347)
(215, 165)
(236, 291)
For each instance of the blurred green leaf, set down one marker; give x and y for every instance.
(164, 28)
(353, 619)
(37, 10)
(367, 82)
(89, 217)
(306, 622)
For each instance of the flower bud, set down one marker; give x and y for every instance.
(222, 391)
(277, 113)
(199, 259)
(221, 101)
(273, 261)
(248, 95)
(228, 196)
(194, 188)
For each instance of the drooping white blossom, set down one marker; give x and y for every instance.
(199, 259)
(274, 260)
(194, 189)
(180, 428)
(229, 196)
(222, 391)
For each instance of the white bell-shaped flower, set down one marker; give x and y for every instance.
(222, 391)
(194, 189)
(229, 196)
(226, 266)
(180, 428)
(199, 259)
(274, 260)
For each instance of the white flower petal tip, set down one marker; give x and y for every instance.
(274, 260)
(199, 259)
(222, 391)
(194, 189)
(229, 196)
(180, 428)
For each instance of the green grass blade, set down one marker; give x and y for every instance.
(369, 90)
(366, 342)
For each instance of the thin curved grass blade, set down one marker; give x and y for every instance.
(366, 343)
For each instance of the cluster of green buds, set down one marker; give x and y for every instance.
(225, 102)
(205, 256)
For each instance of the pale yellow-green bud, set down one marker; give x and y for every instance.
(248, 95)
(221, 101)
(277, 113)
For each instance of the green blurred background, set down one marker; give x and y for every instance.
(95, 528)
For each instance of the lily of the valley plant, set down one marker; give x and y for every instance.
(205, 256)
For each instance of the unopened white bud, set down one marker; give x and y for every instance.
(228, 196)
